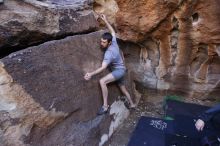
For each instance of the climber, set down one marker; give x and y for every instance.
(114, 60)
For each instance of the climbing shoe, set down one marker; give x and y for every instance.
(103, 110)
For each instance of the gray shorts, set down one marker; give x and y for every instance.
(119, 75)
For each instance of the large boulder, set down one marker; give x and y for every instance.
(30, 22)
(45, 99)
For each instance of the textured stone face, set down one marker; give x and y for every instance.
(44, 68)
(24, 23)
(206, 22)
(136, 19)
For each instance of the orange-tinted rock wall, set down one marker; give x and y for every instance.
(185, 34)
